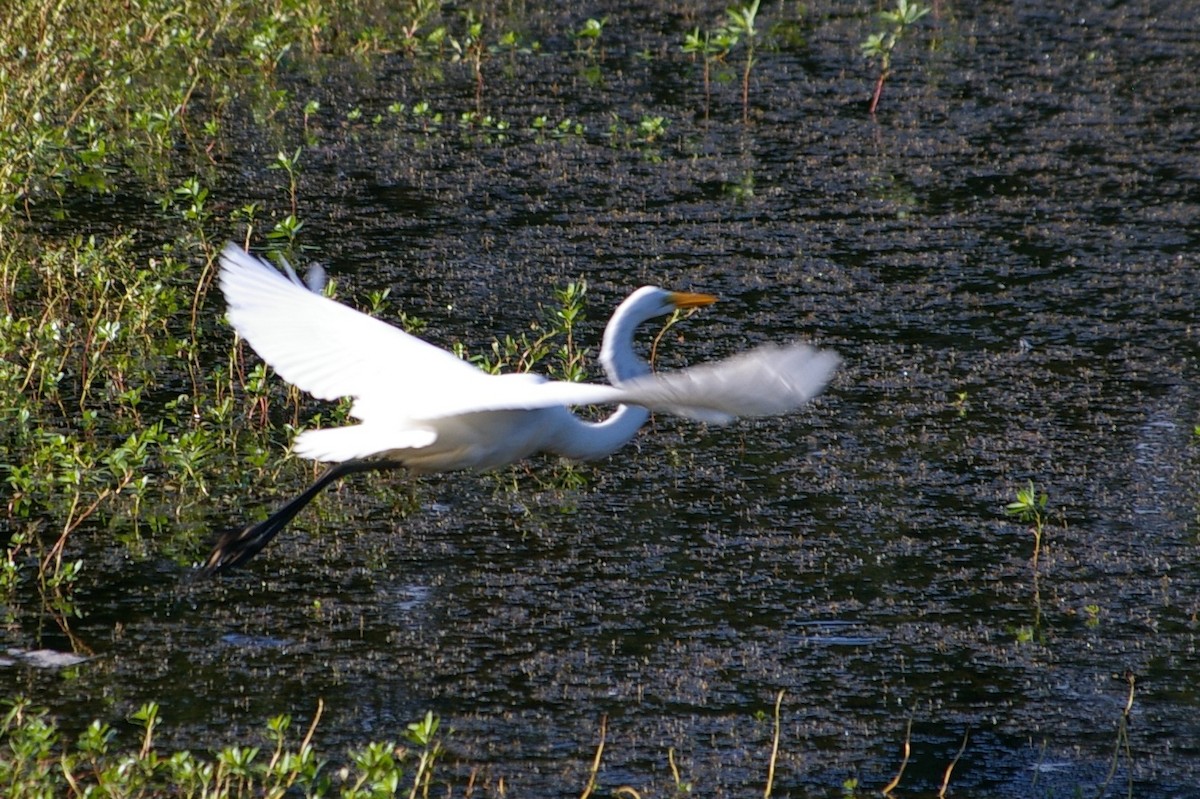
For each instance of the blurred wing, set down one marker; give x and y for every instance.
(331, 350)
(762, 382)
(766, 381)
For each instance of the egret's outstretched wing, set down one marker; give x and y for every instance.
(331, 350)
(762, 382)
(765, 381)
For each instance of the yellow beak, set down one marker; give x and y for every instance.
(689, 299)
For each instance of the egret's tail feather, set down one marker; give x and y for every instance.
(339, 444)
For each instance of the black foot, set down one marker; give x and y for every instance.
(235, 547)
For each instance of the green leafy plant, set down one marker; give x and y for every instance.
(1030, 508)
(77, 350)
(587, 37)
(283, 234)
(553, 348)
(961, 402)
(741, 23)
(711, 47)
(38, 761)
(544, 128)
(651, 128)
(881, 46)
(742, 190)
(483, 127)
(290, 165)
(423, 735)
(470, 48)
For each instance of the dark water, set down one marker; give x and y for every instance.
(1017, 225)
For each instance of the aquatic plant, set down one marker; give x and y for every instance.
(881, 45)
(483, 128)
(651, 128)
(1029, 507)
(544, 128)
(741, 190)
(961, 402)
(1121, 746)
(283, 234)
(38, 760)
(711, 47)
(952, 765)
(74, 347)
(469, 47)
(643, 135)
(423, 735)
(139, 89)
(905, 754)
(289, 164)
(771, 761)
(587, 37)
(682, 787)
(551, 349)
(742, 25)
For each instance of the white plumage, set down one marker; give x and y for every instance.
(420, 407)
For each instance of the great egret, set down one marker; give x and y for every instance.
(426, 410)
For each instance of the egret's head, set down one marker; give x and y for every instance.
(651, 301)
(616, 352)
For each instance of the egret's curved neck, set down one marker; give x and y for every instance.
(584, 441)
(617, 356)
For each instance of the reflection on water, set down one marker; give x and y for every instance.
(1004, 258)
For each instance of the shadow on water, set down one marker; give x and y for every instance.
(1004, 258)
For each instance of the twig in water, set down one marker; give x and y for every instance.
(953, 763)
(591, 783)
(774, 748)
(674, 767)
(891, 786)
(1122, 738)
(312, 728)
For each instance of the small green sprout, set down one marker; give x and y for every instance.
(589, 35)
(742, 25)
(960, 403)
(1029, 508)
(881, 45)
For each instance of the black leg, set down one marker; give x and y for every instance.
(235, 547)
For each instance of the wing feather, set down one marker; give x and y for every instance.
(765, 381)
(331, 350)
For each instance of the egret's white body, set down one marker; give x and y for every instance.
(422, 408)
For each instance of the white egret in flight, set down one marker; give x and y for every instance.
(424, 409)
